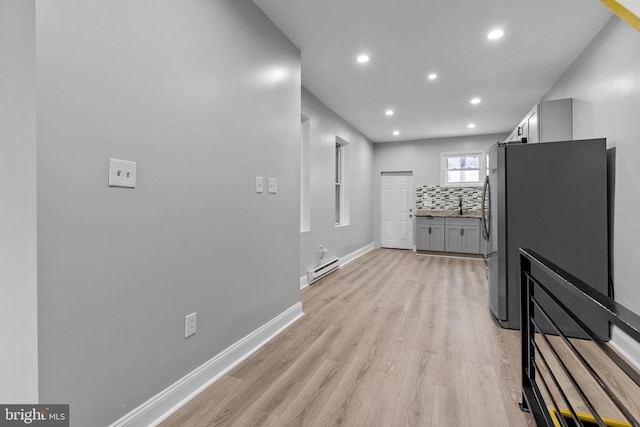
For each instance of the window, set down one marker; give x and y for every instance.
(463, 169)
(341, 193)
(305, 177)
(339, 182)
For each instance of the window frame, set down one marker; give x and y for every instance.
(341, 197)
(482, 168)
(339, 184)
(305, 177)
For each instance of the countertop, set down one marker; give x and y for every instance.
(441, 213)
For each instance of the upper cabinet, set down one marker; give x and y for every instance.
(547, 121)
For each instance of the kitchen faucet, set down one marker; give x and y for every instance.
(460, 205)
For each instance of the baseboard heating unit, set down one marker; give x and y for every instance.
(322, 270)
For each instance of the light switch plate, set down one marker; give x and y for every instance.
(190, 324)
(273, 185)
(258, 184)
(122, 173)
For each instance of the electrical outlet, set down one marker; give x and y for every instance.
(122, 173)
(190, 325)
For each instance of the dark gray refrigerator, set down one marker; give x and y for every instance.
(551, 198)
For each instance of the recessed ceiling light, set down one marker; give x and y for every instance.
(362, 58)
(495, 34)
(475, 101)
(433, 76)
(389, 112)
(396, 132)
(471, 125)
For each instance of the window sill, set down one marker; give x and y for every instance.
(462, 184)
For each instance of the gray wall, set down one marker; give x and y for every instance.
(204, 95)
(605, 84)
(341, 241)
(421, 157)
(18, 256)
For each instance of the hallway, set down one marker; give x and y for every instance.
(393, 338)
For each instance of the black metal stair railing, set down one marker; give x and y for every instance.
(535, 360)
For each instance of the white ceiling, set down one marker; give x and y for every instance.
(408, 39)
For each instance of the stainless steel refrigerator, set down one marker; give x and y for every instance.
(551, 198)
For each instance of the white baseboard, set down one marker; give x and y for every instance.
(356, 254)
(626, 346)
(304, 281)
(165, 403)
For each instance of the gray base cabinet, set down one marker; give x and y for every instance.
(430, 234)
(461, 235)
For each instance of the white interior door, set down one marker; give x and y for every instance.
(397, 201)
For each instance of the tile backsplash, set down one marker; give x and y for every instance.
(437, 197)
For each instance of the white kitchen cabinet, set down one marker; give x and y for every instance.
(547, 121)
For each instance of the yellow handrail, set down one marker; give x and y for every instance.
(585, 417)
(630, 17)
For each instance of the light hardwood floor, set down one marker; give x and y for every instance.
(621, 384)
(392, 339)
